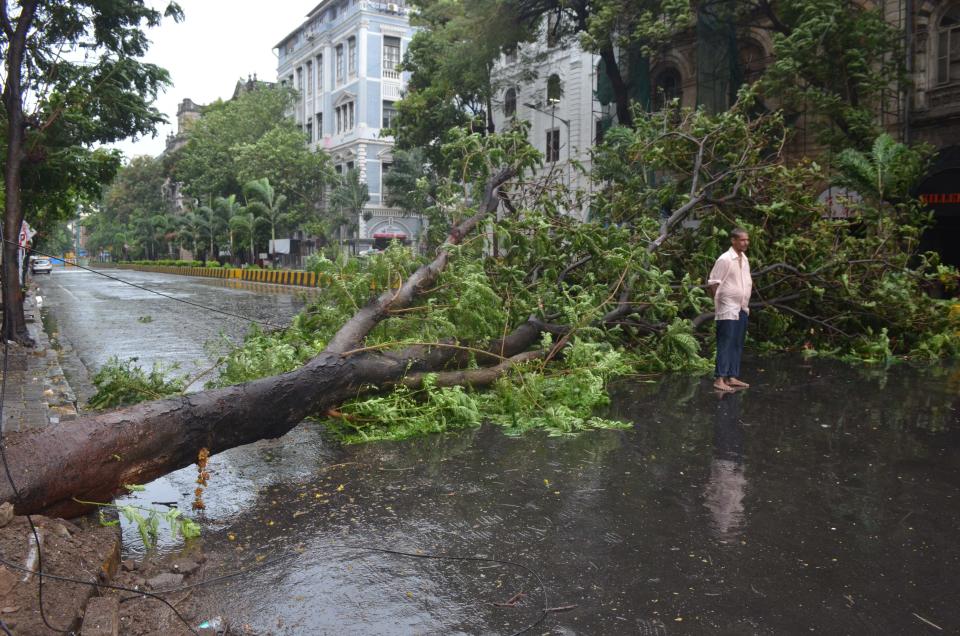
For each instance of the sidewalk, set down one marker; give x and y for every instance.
(36, 392)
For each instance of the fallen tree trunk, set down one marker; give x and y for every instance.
(93, 457)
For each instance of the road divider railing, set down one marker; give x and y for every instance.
(290, 277)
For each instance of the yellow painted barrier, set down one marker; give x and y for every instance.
(287, 277)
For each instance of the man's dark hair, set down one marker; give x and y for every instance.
(738, 232)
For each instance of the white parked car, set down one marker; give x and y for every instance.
(41, 266)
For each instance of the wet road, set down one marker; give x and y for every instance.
(824, 499)
(100, 317)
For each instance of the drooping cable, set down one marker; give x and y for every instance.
(158, 293)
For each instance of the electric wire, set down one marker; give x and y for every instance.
(158, 293)
(13, 485)
(16, 493)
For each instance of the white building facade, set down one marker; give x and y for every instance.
(559, 103)
(343, 60)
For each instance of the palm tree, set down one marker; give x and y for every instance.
(885, 174)
(265, 203)
(347, 200)
(164, 228)
(142, 231)
(188, 230)
(208, 225)
(228, 209)
(245, 222)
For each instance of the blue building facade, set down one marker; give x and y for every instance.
(343, 62)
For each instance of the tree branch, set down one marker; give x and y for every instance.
(356, 329)
(473, 377)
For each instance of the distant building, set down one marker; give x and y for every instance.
(251, 84)
(343, 60)
(187, 113)
(552, 85)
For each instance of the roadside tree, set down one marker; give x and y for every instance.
(282, 157)
(71, 79)
(208, 164)
(346, 204)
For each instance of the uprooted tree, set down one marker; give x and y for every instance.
(559, 307)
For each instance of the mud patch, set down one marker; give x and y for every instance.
(86, 554)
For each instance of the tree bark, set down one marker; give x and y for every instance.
(14, 323)
(621, 92)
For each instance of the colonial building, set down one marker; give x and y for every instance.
(569, 103)
(552, 85)
(343, 61)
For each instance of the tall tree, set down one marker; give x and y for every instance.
(228, 208)
(833, 61)
(208, 225)
(244, 222)
(282, 156)
(207, 165)
(451, 61)
(72, 78)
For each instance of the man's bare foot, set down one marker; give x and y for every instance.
(737, 384)
(720, 385)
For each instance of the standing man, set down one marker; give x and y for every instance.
(730, 285)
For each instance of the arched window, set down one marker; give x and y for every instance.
(666, 87)
(554, 89)
(948, 46)
(752, 59)
(510, 102)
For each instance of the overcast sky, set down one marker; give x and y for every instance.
(218, 42)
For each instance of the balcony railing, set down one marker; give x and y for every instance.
(391, 92)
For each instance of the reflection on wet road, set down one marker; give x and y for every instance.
(824, 499)
(792, 507)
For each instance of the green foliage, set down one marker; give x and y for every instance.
(677, 350)
(346, 201)
(405, 413)
(411, 182)
(887, 173)
(74, 103)
(833, 60)
(228, 132)
(147, 520)
(283, 158)
(625, 289)
(561, 401)
(122, 382)
(450, 61)
(266, 204)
